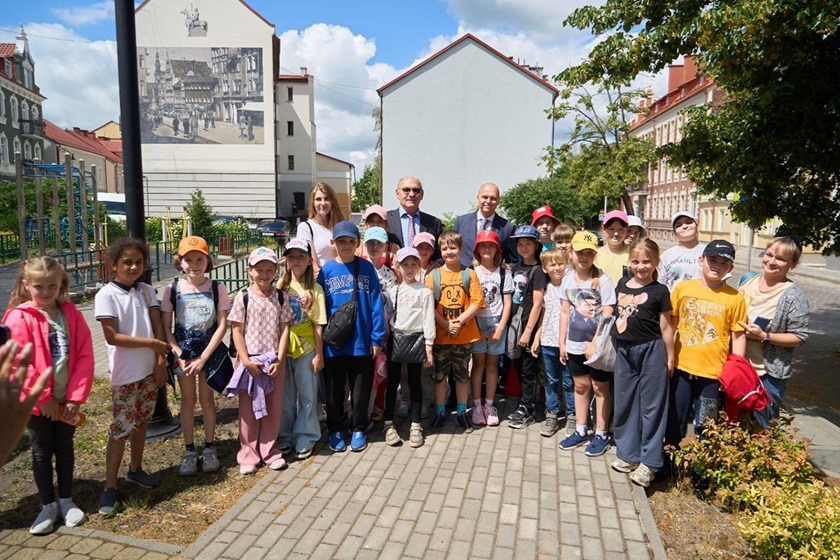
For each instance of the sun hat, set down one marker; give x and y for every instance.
(584, 240)
(298, 244)
(262, 254)
(345, 229)
(542, 212)
(615, 214)
(406, 252)
(376, 234)
(487, 236)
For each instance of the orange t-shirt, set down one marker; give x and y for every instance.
(454, 301)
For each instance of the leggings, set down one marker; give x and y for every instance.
(50, 438)
(414, 388)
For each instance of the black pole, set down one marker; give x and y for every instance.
(163, 425)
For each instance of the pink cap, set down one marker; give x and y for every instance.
(262, 254)
(424, 237)
(615, 214)
(376, 209)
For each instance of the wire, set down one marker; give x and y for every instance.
(10, 30)
(321, 83)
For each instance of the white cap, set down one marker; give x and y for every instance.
(635, 221)
(681, 214)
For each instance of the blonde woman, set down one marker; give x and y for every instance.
(324, 213)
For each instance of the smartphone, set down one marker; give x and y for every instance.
(5, 334)
(762, 322)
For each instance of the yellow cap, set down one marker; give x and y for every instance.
(584, 240)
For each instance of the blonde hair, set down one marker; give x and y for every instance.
(650, 247)
(555, 255)
(335, 215)
(791, 249)
(38, 267)
(308, 282)
(563, 233)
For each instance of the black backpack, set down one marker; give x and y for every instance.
(341, 324)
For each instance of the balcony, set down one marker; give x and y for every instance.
(32, 129)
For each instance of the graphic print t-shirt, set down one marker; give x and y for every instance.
(454, 301)
(677, 264)
(523, 288)
(637, 311)
(587, 301)
(553, 304)
(493, 290)
(303, 323)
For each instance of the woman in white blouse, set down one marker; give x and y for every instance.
(324, 213)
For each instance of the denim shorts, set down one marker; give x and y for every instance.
(487, 324)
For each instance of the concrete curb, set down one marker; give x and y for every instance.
(145, 544)
(655, 543)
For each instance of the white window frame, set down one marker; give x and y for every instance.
(4, 148)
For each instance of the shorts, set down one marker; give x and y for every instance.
(133, 404)
(452, 359)
(578, 368)
(487, 324)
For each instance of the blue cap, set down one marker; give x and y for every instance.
(376, 234)
(345, 229)
(526, 231)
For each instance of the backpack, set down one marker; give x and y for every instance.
(465, 282)
(341, 324)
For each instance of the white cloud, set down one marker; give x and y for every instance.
(86, 15)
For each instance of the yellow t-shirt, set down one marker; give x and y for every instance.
(707, 319)
(453, 302)
(303, 323)
(613, 263)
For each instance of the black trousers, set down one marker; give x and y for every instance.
(414, 389)
(49, 438)
(528, 369)
(358, 372)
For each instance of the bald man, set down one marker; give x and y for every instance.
(470, 224)
(409, 194)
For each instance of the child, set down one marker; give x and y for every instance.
(376, 216)
(414, 311)
(529, 282)
(424, 242)
(129, 313)
(543, 219)
(39, 314)
(644, 358)
(554, 264)
(705, 314)
(497, 285)
(587, 294)
(635, 230)
(458, 298)
(612, 257)
(259, 319)
(562, 236)
(682, 261)
(199, 329)
(299, 426)
(353, 361)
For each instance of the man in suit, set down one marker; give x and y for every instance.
(408, 215)
(470, 224)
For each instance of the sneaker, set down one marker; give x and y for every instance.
(247, 469)
(520, 418)
(108, 501)
(377, 415)
(358, 442)
(189, 464)
(623, 466)
(322, 413)
(491, 415)
(43, 524)
(573, 441)
(402, 410)
(70, 512)
(551, 425)
(464, 423)
(478, 417)
(286, 449)
(278, 464)
(643, 475)
(304, 453)
(337, 442)
(598, 446)
(571, 426)
(210, 460)
(392, 438)
(415, 437)
(142, 478)
(438, 421)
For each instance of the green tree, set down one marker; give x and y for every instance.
(557, 191)
(367, 190)
(776, 140)
(200, 213)
(600, 157)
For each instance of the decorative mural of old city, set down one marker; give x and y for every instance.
(192, 95)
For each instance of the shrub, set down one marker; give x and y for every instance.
(200, 213)
(236, 228)
(154, 230)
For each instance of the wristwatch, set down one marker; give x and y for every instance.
(766, 337)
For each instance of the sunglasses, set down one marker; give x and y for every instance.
(415, 190)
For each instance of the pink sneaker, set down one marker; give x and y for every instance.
(478, 415)
(491, 414)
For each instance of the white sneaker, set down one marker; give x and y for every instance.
(643, 475)
(70, 512)
(623, 466)
(43, 524)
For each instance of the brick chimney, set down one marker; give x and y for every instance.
(676, 72)
(690, 70)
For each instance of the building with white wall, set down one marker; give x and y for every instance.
(465, 116)
(296, 141)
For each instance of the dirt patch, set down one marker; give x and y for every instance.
(176, 512)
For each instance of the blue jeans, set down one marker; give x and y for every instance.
(775, 390)
(299, 427)
(556, 373)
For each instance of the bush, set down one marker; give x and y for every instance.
(154, 230)
(236, 228)
(200, 213)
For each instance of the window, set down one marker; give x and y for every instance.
(290, 94)
(24, 116)
(2, 105)
(38, 152)
(14, 104)
(27, 78)
(291, 163)
(27, 151)
(16, 145)
(4, 149)
(35, 114)
(290, 128)
(7, 68)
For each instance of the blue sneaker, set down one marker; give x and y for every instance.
(358, 442)
(337, 442)
(598, 446)
(573, 441)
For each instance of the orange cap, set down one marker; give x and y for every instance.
(192, 243)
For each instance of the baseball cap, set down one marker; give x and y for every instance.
(376, 234)
(262, 254)
(615, 214)
(192, 243)
(720, 248)
(487, 236)
(526, 231)
(635, 221)
(298, 244)
(376, 209)
(584, 240)
(423, 237)
(406, 252)
(345, 229)
(681, 214)
(541, 212)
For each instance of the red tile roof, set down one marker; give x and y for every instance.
(673, 98)
(80, 140)
(7, 50)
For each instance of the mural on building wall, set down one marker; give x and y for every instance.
(201, 95)
(196, 27)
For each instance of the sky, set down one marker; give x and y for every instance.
(351, 47)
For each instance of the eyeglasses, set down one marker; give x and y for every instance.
(416, 190)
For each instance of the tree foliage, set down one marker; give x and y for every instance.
(776, 139)
(200, 213)
(367, 190)
(556, 191)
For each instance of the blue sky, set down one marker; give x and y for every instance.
(351, 47)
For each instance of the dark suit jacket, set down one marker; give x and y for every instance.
(428, 223)
(466, 226)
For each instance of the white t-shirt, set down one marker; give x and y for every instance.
(553, 305)
(493, 290)
(131, 310)
(587, 303)
(321, 241)
(677, 264)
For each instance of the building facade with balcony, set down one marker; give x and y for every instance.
(21, 113)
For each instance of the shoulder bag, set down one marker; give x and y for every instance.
(341, 324)
(406, 347)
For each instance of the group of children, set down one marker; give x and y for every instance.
(461, 323)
